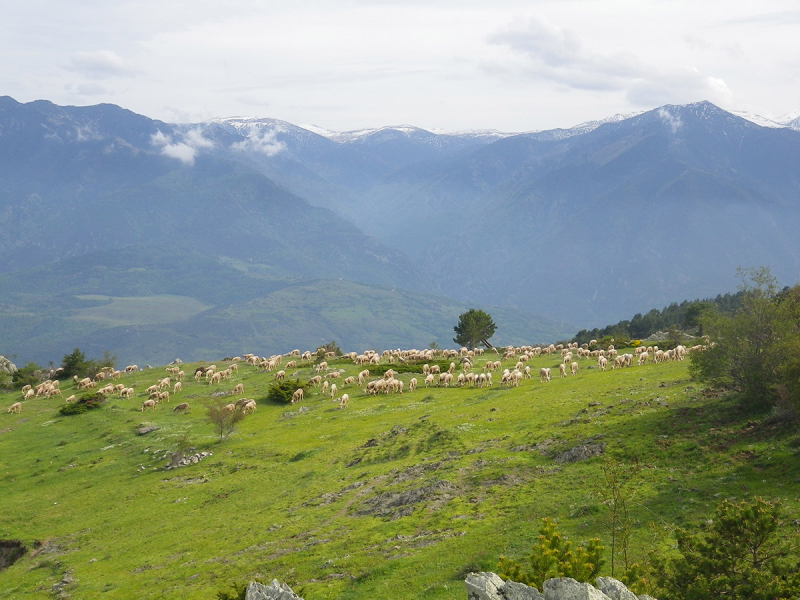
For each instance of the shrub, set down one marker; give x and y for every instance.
(555, 557)
(282, 391)
(331, 346)
(223, 420)
(83, 404)
(741, 554)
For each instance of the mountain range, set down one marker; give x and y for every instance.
(149, 238)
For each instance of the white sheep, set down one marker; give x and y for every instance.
(15, 408)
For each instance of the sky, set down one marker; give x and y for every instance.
(445, 65)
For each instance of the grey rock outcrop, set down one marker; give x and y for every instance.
(6, 366)
(566, 588)
(489, 586)
(614, 589)
(274, 591)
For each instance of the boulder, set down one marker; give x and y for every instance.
(489, 586)
(274, 591)
(566, 588)
(616, 590)
(483, 586)
(6, 366)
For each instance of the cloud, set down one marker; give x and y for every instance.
(674, 121)
(264, 143)
(185, 150)
(99, 65)
(544, 51)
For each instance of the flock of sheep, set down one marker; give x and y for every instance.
(329, 381)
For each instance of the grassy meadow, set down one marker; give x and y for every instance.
(396, 496)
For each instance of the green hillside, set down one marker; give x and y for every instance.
(396, 496)
(152, 304)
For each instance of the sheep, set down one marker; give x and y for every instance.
(602, 361)
(562, 370)
(163, 383)
(280, 375)
(126, 393)
(544, 374)
(333, 375)
(29, 394)
(316, 380)
(362, 376)
(249, 407)
(343, 401)
(131, 368)
(298, 395)
(229, 408)
(177, 387)
(334, 389)
(429, 379)
(292, 364)
(15, 408)
(412, 385)
(151, 389)
(148, 404)
(320, 367)
(573, 367)
(325, 385)
(349, 381)
(163, 396)
(238, 389)
(180, 375)
(70, 399)
(241, 402)
(181, 408)
(28, 387)
(215, 378)
(643, 358)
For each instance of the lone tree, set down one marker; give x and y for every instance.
(474, 327)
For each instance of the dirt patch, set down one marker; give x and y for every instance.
(10, 552)
(401, 504)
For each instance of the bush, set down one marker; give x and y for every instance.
(27, 375)
(83, 404)
(223, 420)
(739, 555)
(331, 346)
(555, 557)
(73, 364)
(282, 391)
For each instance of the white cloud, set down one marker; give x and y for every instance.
(674, 121)
(185, 150)
(99, 65)
(264, 143)
(555, 54)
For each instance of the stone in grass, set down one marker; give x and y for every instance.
(273, 591)
(616, 590)
(145, 429)
(489, 586)
(566, 588)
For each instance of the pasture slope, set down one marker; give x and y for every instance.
(396, 496)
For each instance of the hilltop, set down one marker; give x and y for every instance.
(396, 496)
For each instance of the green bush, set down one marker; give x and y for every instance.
(83, 404)
(282, 391)
(745, 552)
(555, 557)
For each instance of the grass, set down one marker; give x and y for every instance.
(324, 498)
(139, 310)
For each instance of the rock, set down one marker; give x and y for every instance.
(484, 586)
(147, 429)
(489, 586)
(566, 588)
(582, 452)
(616, 590)
(6, 366)
(519, 591)
(273, 591)
(177, 361)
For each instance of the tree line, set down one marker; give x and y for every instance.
(684, 316)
